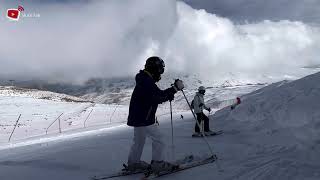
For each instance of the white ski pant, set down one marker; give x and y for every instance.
(139, 139)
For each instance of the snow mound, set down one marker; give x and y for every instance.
(275, 130)
(291, 106)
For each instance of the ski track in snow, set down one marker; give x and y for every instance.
(241, 157)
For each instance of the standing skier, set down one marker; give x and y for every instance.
(143, 105)
(198, 105)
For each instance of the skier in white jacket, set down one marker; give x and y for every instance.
(199, 106)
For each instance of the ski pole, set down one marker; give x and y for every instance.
(204, 138)
(172, 145)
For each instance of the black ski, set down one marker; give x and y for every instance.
(123, 172)
(126, 172)
(181, 167)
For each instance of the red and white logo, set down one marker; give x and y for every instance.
(14, 14)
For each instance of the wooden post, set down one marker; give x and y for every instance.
(14, 127)
(59, 125)
(84, 124)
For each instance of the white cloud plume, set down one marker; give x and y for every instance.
(215, 46)
(77, 41)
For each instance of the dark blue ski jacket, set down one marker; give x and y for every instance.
(145, 99)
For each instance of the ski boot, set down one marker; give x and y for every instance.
(197, 134)
(137, 166)
(209, 133)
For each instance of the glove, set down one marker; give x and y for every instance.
(201, 104)
(171, 97)
(178, 85)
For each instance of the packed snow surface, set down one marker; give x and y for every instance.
(272, 134)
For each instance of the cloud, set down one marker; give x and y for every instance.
(253, 10)
(77, 41)
(215, 46)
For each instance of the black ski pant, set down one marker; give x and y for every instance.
(205, 119)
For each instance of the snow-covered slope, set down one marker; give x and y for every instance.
(278, 130)
(293, 105)
(119, 90)
(39, 109)
(273, 134)
(38, 94)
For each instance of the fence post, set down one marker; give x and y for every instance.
(84, 124)
(14, 127)
(59, 125)
(53, 122)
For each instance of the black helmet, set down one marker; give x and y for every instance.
(202, 90)
(155, 66)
